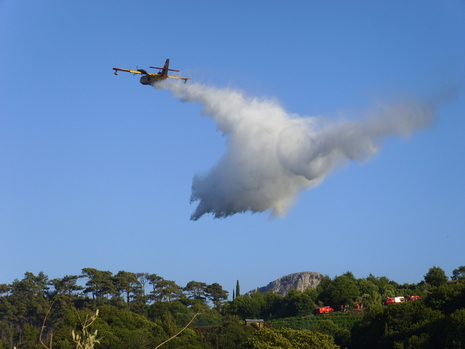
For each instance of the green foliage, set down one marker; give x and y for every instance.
(127, 284)
(322, 289)
(29, 337)
(286, 338)
(398, 323)
(116, 327)
(268, 338)
(366, 287)
(341, 335)
(340, 291)
(66, 285)
(455, 337)
(341, 320)
(230, 334)
(246, 306)
(37, 310)
(270, 305)
(447, 298)
(216, 294)
(436, 277)
(459, 273)
(296, 303)
(196, 290)
(164, 290)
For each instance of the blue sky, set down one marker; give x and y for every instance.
(96, 170)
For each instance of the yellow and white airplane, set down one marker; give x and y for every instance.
(149, 78)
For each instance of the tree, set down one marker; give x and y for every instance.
(273, 302)
(369, 295)
(447, 298)
(164, 290)
(267, 338)
(127, 283)
(178, 333)
(245, 306)
(322, 289)
(140, 297)
(341, 335)
(238, 288)
(66, 285)
(230, 334)
(118, 327)
(100, 283)
(350, 275)
(323, 284)
(366, 287)
(28, 301)
(4, 288)
(296, 303)
(459, 273)
(436, 277)
(342, 290)
(455, 338)
(143, 278)
(31, 285)
(399, 326)
(386, 287)
(153, 280)
(216, 294)
(196, 290)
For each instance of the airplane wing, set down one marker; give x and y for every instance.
(178, 77)
(138, 71)
(127, 70)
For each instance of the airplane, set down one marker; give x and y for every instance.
(149, 78)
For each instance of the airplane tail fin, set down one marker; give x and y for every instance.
(166, 68)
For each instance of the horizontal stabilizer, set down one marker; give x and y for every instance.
(164, 68)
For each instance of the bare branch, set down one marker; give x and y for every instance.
(158, 346)
(43, 327)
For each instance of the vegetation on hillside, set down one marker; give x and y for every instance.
(102, 310)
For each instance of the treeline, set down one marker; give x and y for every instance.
(344, 290)
(142, 310)
(122, 287)
(136, 310)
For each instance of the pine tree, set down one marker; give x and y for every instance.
(238, 289)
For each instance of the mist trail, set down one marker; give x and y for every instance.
(271, 155)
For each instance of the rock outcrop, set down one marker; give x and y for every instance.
(297, 281)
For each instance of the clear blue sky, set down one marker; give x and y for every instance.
(96, 170)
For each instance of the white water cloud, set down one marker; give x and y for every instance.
(271, 155)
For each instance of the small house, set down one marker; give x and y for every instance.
(255, 322)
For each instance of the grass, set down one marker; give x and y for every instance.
(342, 320)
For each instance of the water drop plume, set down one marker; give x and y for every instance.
(271, 155)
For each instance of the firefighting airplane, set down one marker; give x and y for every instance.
(149, 78)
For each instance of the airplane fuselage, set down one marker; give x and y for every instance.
(149, 79)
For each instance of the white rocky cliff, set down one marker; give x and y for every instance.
(297, 281)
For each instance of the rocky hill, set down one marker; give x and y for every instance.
(297, 281)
